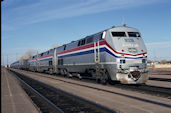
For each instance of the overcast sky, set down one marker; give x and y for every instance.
(41, 24)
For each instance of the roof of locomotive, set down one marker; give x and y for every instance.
(123, 28)
(114, 28)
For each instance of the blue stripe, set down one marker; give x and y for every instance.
(106, 50)
(76, 54)
(101, 50)
(45, 59)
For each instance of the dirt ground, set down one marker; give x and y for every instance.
(160, 71)
(159, 77)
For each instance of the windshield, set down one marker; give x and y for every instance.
(118, 34)
(133, 34)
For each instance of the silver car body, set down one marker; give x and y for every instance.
(118, 52)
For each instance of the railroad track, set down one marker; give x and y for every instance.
(152, 90)
(160, 79)
(148, 89)
(53, 100)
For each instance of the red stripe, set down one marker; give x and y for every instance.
(76, 49)
(45, 56)
(42, 57)
(103, 42)
(123, 53)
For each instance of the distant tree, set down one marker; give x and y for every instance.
(169, 62)
(149, 61)
(163, 61)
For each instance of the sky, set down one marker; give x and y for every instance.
(39, 25)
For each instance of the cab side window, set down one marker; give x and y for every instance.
(89, 40)
(81, 42)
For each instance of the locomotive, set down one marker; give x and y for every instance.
(114, 54)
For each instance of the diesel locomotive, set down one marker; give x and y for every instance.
(114, 54)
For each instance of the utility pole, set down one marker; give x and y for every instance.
(2, 59)
(16, 56)
(154, 53)
(7, 61)
(37, 61)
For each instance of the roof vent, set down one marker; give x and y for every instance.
(124, 24)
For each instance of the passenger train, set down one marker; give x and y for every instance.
(114, 54)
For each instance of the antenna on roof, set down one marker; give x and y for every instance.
(124, 24)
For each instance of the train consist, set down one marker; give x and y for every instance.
(116, 54)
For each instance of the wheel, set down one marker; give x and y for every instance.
(69, 75)
(50, 71)
(79, 76)
(98, 81)
(103, 81)
(104, 78)
(61, 72)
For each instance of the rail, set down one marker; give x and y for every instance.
(65, 101)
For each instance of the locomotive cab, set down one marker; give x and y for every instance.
(130, 55)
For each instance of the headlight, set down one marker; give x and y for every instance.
(122, 61)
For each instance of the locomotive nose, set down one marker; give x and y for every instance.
(135, 75)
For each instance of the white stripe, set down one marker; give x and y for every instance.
(124, 55)
(79, 64)
(45, 58)
(90, 63)
(10, 93)
(92, 48)
(76, 51)
(93, 63)
(102, 47)
(109, 62)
